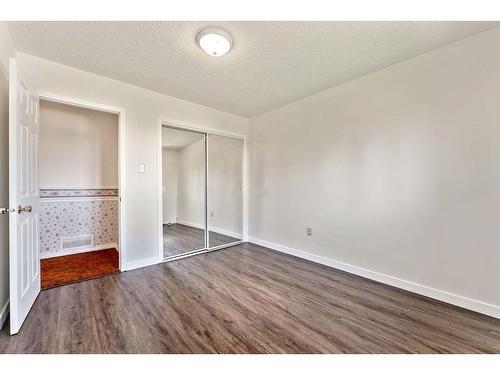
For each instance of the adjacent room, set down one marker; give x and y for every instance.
(250, 187)
(78, 177)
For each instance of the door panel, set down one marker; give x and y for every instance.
(225, 190)
(184, 192)
(23, 198)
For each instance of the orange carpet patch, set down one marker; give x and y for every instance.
(78, 267)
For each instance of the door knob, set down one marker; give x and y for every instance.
(23, 209)
(5, 210)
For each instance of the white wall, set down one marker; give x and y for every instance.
(397, 172)
(225, 204)
(191, 184)
(77, 139)
(6, 51)
(142, 108)
(169, 176)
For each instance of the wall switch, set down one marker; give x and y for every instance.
(142, 168)
(309, 231)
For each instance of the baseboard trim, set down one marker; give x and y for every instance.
(212, 229)
(78, 251)
(187, 223)
(4, 313)
(440, 295)
(142, 263)
(225, 232)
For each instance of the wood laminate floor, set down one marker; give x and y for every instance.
(179, 239)
(245, 299)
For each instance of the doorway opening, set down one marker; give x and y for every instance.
(79, 193)
(201, 200)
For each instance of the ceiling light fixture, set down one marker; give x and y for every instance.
(215, 42)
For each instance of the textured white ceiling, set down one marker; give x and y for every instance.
(271, 64)
(174, 139)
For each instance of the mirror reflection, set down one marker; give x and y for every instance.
(225, 197)
(183, 182)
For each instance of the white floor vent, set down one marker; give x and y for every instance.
(77, 242)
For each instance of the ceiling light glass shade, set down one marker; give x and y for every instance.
(215, 42)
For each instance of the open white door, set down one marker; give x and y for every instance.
(23, 198)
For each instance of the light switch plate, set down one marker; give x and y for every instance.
(142, 168)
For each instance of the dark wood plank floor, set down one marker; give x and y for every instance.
(77, 267)
(179, 239)
(245, 299)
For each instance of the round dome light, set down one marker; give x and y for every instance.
(215, 42)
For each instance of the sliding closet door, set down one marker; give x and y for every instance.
(184, 194)
(225, 193)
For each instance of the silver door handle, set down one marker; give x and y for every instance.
(23, 209)
(6, 210)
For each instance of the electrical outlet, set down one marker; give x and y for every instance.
(309, 231)
(211, 214)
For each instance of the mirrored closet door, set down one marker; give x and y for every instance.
(183, 195)
(202, 192)
(225, 190)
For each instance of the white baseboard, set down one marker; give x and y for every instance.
(78, 251)
(170, 222)
(194, 225)
(225, 232)
(212, 229)
(4, 313)
(142, 263)
(441, 295)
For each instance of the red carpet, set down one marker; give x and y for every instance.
(78, 267)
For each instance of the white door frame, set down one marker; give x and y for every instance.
(245, 170)
(122, 248)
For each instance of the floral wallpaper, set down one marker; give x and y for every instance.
(65, 217)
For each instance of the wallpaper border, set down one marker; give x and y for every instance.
(81, 193)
